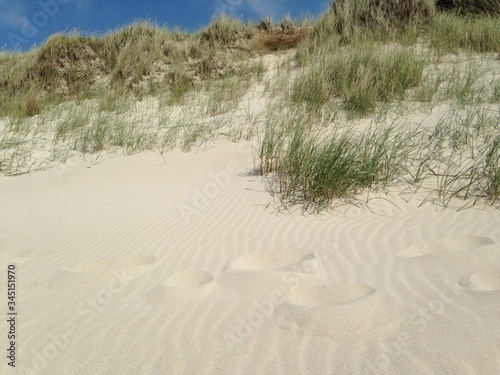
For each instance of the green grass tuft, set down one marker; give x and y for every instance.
(360, 76)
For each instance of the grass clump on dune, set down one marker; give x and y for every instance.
(468, 7)
(491, 170)
(315, 164)
(225, 31)
(359, 75)
(449, 33)
(17, 96)
(351, 19)
(315, 167)
(463, 155)
(67, 64)
(130, 53)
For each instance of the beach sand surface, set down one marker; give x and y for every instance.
(190, 266)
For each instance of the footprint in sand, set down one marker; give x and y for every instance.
(259, 274)
(189, 279)
(253, 285)
(344, 325)
(271, 259)
(181, 287)
(327, 311)
(98, 273)
(22, 254)
(336, 313)
(324, 296)
(484, 281)
(459, 243)
(132, 261)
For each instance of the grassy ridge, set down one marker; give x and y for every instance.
(360, 59)
(145, 58)
(309, 165)
(364, 54)
(141, 59)
(361, 75)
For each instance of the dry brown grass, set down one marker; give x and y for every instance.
(277, 40)
(269, 37)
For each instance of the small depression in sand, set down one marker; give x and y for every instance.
(450, 244)
(249, 285)
(97, 274)
(189, 279)
(485, 280)
(321, 296)
(344, 321)
(22, 254)
(270, 259)
(180, 288)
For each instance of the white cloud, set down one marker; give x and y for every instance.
(12, 14)
(259, 8)
(266, 8)
(12, 20)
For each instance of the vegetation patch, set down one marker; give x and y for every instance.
(146, 87)
(360, 76)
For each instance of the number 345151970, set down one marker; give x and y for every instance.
(11, 286)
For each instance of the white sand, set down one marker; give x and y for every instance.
(126, 268)
(137, 266)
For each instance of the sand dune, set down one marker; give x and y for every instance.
(135, 266)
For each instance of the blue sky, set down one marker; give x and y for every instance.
(26, 23)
